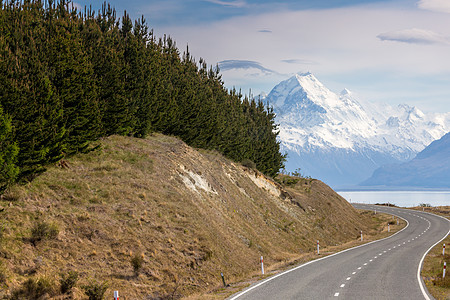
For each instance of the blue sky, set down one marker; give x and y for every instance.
(394, 51)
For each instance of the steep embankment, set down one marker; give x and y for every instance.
(190, 214)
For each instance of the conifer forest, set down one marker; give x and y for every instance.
(70, 77)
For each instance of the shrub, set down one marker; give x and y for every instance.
(68, 281)
(288, 181)
(34, 289)
(95, 290)
(136, 262)
(248, 163)
(43, 230)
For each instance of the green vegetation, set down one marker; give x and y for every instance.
(95, 290)
(43, 230)
(68, 281)
(137, 262)
(34, 288)
(70, 77)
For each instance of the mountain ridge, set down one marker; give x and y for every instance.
(429, 169)
(324, 133)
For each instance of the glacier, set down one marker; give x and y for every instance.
(341, 140)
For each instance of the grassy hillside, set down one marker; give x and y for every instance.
(183, 216)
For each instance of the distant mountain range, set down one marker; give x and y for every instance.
(429, 169)
(341, 140)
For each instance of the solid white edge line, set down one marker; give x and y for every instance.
(419, 278)
(316, 260)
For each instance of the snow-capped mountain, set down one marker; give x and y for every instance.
(429, 169)
(342, 141)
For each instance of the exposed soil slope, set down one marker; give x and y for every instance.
(190, 214)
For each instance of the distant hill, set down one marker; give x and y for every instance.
(189, 214)
(429, 169)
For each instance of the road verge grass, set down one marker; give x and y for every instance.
(433, 265)
(378, 232)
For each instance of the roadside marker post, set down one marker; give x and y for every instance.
(262, 266)
(389, 229)
(445, 267)
(443, 250)
(116, 295)
(223, 280)
(397, 221)
(318, 248)
(361, 236)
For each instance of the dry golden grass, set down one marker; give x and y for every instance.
(432, 270)
(189, 214)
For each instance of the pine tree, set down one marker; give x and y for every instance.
(8, 153)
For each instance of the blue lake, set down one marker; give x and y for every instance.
(399, 198)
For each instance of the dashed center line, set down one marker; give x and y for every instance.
(385, 251)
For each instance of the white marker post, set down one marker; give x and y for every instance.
(389, 228)
(375, 211)
(443, 250)
(318, 248)
(116, 295)
(397, 221)
(361, 236)
(262, 266)
(445, 267)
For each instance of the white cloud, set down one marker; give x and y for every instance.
(237, 3)
(298, 61)
(435, 5)
(340, 46)
(227, 65)
(414, 36)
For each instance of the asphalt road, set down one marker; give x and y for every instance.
(384, 269)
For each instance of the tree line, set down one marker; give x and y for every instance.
(70, 77)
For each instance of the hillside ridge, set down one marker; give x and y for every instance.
(190, 214)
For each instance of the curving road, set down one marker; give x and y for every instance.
(384, 269)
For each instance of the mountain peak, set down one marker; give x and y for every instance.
(346, 92)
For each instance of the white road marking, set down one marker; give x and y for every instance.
(336, 294)
(348, 278)
(353, 273)
(342, 285)
(313, 261)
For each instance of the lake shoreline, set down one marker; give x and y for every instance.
(398, 198)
